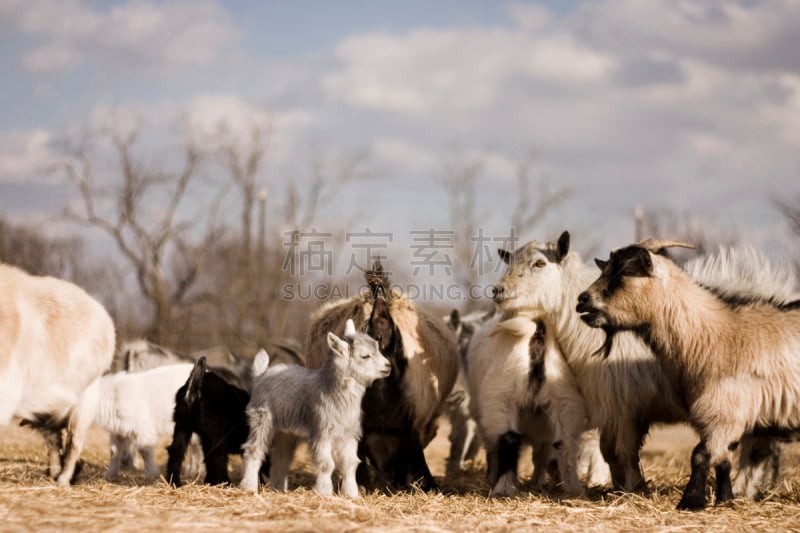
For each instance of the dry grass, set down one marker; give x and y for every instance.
(30, 501)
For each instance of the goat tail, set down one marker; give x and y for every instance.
(260, 363)
(195, 380)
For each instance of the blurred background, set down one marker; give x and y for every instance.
(212, 171)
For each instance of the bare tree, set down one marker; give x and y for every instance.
(323, 184)
(532, 206)
(196, 268)
(684, 226)
(459, 181)
(140, 211)
(242, 159)
(38, 254)
(535, 199)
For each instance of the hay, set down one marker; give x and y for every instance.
(29, 501)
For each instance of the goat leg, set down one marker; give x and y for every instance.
(694, 495)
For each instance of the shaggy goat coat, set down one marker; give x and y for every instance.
(136, 408)
(736, 356)
(55, 343)
(626, 392)
(520, 387)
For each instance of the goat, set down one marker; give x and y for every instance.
(55, 343)
(735, 356)
(209, 406)
(464, 440)
(322, 405)
(136, 408)
(400, 412)
(139, 354)
(521, 389)
(625, 393)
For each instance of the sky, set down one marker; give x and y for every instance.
(680, 106)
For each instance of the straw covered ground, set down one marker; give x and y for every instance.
(29, 501)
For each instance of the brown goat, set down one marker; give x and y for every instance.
(736, 358)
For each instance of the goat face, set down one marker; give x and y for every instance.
(533, 279)
(359, 356)
(621, 298)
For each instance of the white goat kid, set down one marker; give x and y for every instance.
(136, 408)
(322, 405)
(55, 343)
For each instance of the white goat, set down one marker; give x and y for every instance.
(136, 408)
(137, 355)
(520, 387)
(735, 355)
(627, 391)
(55, 343)
(322, 405)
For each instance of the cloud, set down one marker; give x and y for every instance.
(24, 155)
(529, 17)
(207, 113)
(429, 69)
(399, 156)
(738, 34)
(669, 104)
(160, 37)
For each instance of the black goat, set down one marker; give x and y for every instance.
(215, 410)
(389, 440)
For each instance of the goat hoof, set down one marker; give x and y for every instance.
(574, 492)
(505, 486)
(692, 502)
(429, 485)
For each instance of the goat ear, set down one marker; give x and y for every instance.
(562, 247)
(600, 263)
(643, 263)
(505, 255)
(455, 319)
(260, 363)
(338, 346)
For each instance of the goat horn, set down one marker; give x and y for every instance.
(654, 245)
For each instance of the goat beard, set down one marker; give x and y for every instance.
(608, 343)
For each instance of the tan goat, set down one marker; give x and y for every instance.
(55, 343)
(736, 357)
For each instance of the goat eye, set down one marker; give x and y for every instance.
(540, 263)
(366, 356)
